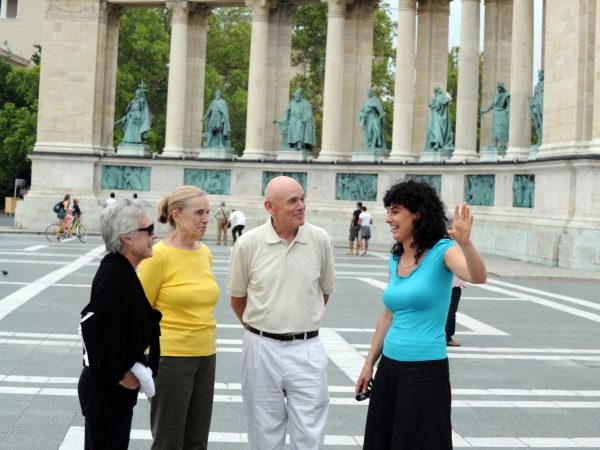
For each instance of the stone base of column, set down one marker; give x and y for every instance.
(257, 154)
(401, 158)
(517, 154)
(294, 155)
(65, 147)
(333, 156)
(435, 157)
(463, 156)
(492, 154)
(594, 147)
(128, 149)
(370, 154)
(215, 153)
(175, 152)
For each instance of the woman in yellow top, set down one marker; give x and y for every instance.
(179, 282)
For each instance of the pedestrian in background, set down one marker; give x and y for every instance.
(179, 282)
(222, 217)
(365, 220)
(354, 230)
(110, 201)
(457, 286)
(237, 221)
(280, 278)
(117, 327)
(410, 394)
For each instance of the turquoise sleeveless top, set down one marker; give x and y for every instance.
(419, 303)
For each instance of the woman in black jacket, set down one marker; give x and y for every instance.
(117, 327)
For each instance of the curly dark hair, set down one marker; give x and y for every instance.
(430, 227)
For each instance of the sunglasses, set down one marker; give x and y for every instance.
(149, 229)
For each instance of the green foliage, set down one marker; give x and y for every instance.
(18, 121)
(309, 41)
(227, 63)
(144, 55)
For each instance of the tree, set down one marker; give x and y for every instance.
(18, 121)
(309, 40)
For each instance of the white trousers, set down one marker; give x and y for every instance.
(284, 385)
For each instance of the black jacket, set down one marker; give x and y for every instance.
(124, 324)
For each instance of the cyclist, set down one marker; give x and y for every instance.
(76, 209)
(68, 218)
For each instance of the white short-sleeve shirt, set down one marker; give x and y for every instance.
(284, 284)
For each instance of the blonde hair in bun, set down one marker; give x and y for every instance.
(178, 199)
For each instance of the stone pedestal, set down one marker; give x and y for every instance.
(128, 149)
(289, 154)
(435, 157)
(370, 154)
(216, 153)
(492, 154)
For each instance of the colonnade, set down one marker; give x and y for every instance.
(85, 74)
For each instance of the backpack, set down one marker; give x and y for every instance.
(56, 208)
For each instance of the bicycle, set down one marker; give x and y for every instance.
(55, 232)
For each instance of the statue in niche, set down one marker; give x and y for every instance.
(370, 118)
(136, 121)
(298, 124)
(501, 106)
(216, 123)
(536, 104)
(439, 129)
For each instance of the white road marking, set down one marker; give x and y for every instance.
(566, 298)
(13, 301)
(341, 353)
(549, 303)
(74, 437)
(478, 327)
(35, 248)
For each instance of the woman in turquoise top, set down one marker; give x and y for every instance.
(410, 395)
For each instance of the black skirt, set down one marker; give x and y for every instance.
(410, 406)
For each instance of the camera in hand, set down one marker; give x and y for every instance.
(363, 395)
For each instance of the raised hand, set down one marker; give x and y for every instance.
(461, 225)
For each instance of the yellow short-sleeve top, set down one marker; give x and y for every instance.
(181, 285)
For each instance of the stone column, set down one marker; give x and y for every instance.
(569, 78)
(257, 80)
(431, 62)
(279, 73)
(334, 83)
(196, 63)
(107, 80)
(467, 98)
(595, 143)
(497, 40)
(521, 80)
(358, 65)
(71, 97)
(3, 9)
(176, 100)
(404, 84)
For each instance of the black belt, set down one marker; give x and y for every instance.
(286, 336)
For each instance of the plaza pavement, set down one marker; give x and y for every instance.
(527, 375)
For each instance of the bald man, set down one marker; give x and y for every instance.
(280, 278)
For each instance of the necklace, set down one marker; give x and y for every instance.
(406, 266)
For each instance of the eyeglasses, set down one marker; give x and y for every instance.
(149, 229)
